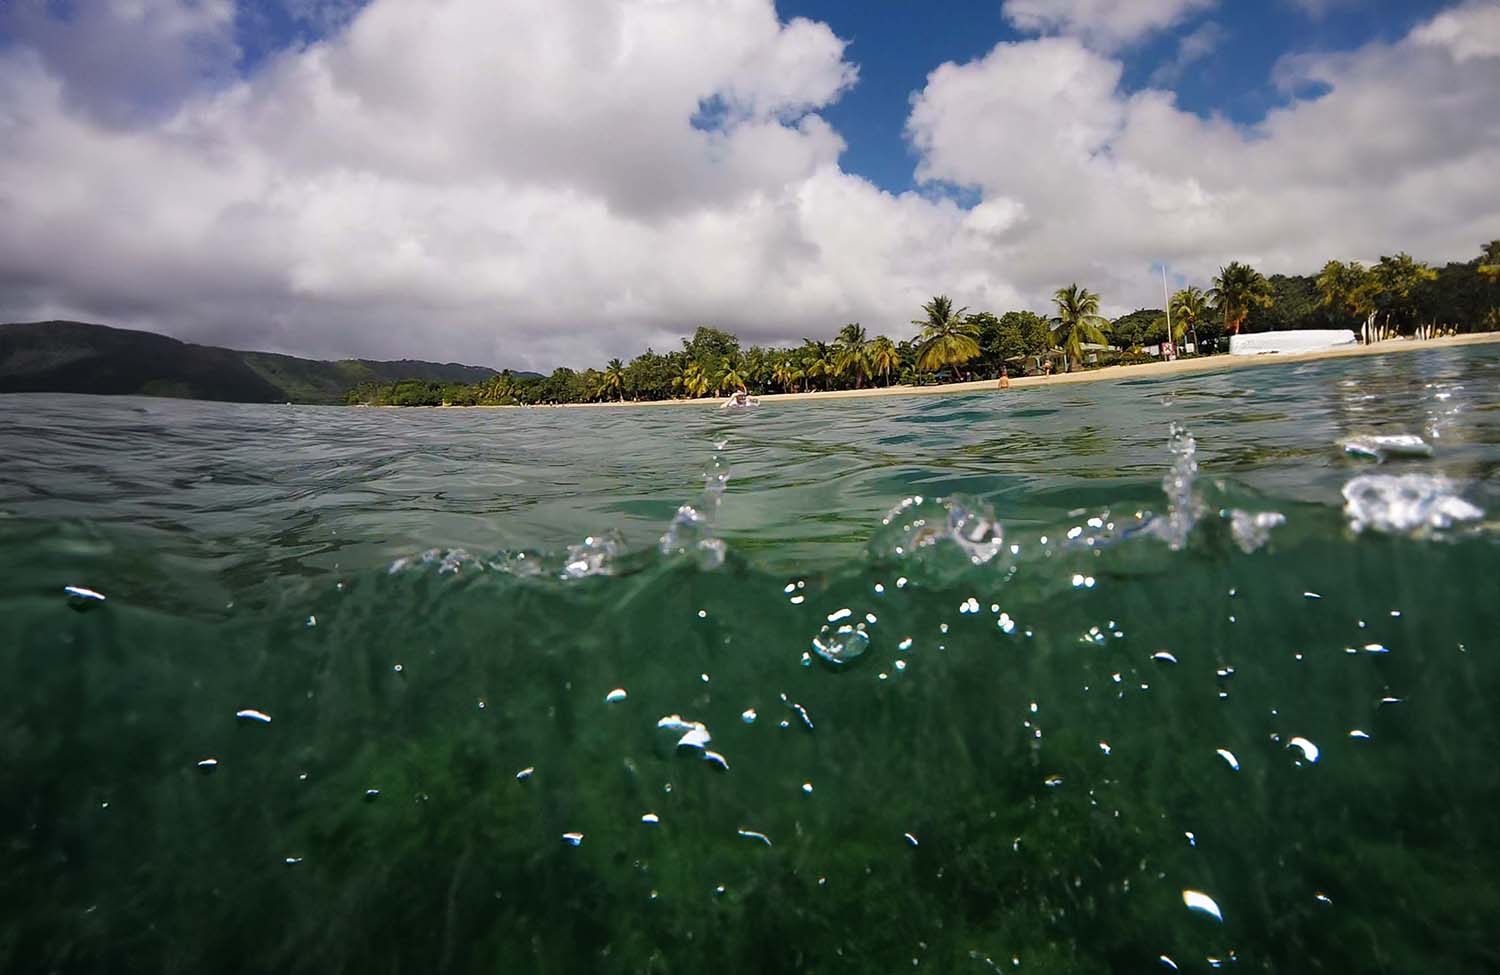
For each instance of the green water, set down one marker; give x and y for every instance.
(1014, 776)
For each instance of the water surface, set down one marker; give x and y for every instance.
(421, 691)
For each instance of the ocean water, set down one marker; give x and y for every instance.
(1188, 675)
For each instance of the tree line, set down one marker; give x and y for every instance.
(1398, 293)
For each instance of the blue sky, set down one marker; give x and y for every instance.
(896, 43)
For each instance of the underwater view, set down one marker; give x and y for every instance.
(1187, 674)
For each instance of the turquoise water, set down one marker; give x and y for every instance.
(1104, 698)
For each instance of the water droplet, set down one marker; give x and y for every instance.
(797, 600)
(1376, 648)
(839, 614)
(1356, 733)
(83, 599)
(800, 711)
(1323, 898)
(703, 614)
(312, 621)
(292, 861)
(1192, 840)
(904, 644)
(1168, 962)
(651, 819)
(1311, 595)
(615, 696)
(807, 788)
(250, 714)
(371, 795)
(1052, 781)
(1228, 756)
(751, 834)
(1196, 900)
(398, 668)
(572, 839)
(208, 765)
(716, 760)
(841, 646)
(911, 839)
(748, 716)
(1164, 657)
(1104, 747)
(1308, 749)
(525, 773)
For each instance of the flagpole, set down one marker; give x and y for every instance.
(1167, 297)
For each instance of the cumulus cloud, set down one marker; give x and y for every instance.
(557, 181)
(123, 61)
(1107, 24)
(1393, 156)
(1192, 47)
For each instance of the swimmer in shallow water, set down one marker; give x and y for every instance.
(739, 401)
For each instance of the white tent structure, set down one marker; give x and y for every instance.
(1290, 343)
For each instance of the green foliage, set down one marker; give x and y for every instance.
(1237, 290)
(712, 361)
(948, 339)
(1079, 321)
(1190, 311)
(1393, 285)
(1136, 329)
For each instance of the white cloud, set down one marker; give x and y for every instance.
(1470, 31)
(1195, 46)
(125, 60)
(522, 184)
(1107, 24)
(1396, 155)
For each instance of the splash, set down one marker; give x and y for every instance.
(1252, 530)
(691, 533)
(1381, 448)
(1183, 505)
(1415, 504)
(594, 556)
(953, 532)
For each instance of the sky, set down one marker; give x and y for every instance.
(533, 183)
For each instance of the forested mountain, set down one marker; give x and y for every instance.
(76, 357)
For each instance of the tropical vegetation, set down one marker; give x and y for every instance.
(1398, 292)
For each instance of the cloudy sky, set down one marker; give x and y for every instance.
(529, 183)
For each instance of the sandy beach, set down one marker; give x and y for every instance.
(1148, 370)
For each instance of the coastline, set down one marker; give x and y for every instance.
(1145, 370)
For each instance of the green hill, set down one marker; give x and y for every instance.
(75, 357)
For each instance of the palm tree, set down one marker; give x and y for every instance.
(1079, 321)
(1238, 289)
(695, 380)
(948, 339)
(817, 361)
(850, 355)
(1189, 307)
(884, 358)
(1489, 263)
(732, 379)
(613, 381)
(785, 374)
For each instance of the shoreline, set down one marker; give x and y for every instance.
(1145, 370)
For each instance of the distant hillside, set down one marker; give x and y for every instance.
(75, 357)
